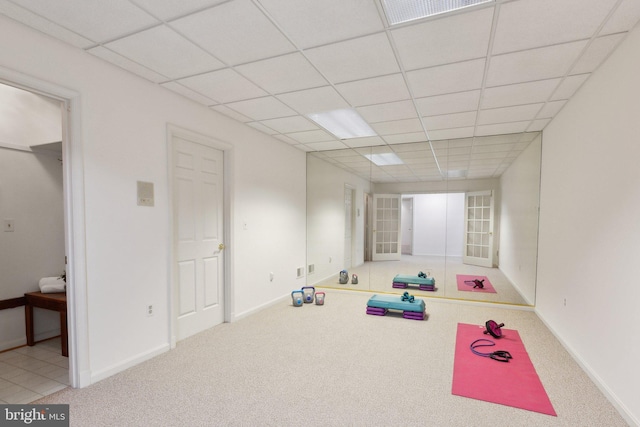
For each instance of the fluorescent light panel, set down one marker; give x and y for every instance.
(344, 124)
(384, 159)
(399, 11)
(456, 173)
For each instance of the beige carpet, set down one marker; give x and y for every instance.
(333, 365)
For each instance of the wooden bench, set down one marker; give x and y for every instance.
(54, 301)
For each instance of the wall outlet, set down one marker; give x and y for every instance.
(149, 309)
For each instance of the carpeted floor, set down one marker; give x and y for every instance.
(333, 365)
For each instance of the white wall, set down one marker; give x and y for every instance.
(590, 227)
(30, 195)
(438, 224)
(520, 191)
(326, 216)
(123, 139)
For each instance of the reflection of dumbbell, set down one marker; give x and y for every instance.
(493, 328)
(354, 279)
(296, 297)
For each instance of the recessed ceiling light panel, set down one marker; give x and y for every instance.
(345, 123)
(384, 159)
(399, 11)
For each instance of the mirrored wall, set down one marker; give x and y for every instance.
(452, 219)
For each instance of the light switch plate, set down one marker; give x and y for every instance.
(9, 225)
(145, 193)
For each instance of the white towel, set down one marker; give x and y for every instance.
(50, 285)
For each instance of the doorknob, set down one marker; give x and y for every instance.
(221, 246)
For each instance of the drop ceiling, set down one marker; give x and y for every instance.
(465, 91)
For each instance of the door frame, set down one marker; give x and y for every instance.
(352, 224)
(74, 218)
(410, 200)
(174, 131)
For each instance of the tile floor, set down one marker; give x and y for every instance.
(29, 373)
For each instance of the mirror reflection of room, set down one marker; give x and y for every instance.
(470, 237)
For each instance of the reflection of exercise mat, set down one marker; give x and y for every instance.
(425, 283)
(319, 298)
(308, 292)
(466, 282)
(297, 298)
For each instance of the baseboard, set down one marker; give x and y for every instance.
(516, 287)
(119, 367)
(260, 307)
(8, 345)
(611, 397)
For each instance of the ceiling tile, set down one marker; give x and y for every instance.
(364, 142)
(388, 111)
(328, 145)
(317, 135)
(184, 91)
(355, 59)
(596, 53)
(42, 24)
(525, 24)
(290, 124)
(96, 20)
(538, 125)
(404, 138)
(550, 109)
(569, 86)
(285, 73)
(169, 9)
(459, 77)
(448, 121)
(166, 52)
(262, 108)
(441, 41)
(224, 86)
(536, 64)
(412, 148)
(509, 114)
(223, 109)
(376, 90)
(303, 147)
(397, 126)
(262, 128)
(234, 32)
(497, 129)
(518, 94)
(451, 133)
(122, 62)
(450, 103)
(314, 23)
(314, 100)
(497, 139)
(286, 139)
(625, 17)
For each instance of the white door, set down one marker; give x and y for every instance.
(198, 232)
(348, 227)
(407, 226)
(386, 227)
(478, 235)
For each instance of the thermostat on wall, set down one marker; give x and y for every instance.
(145, 193)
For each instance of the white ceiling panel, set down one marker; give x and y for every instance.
(459, 77)
(388, 111)
(497, 129)
(121, 61)
(317, 135)
(286, 73)
(569, 86)
(166, 52)
(538, 125)
(96, 20)
(290, 124)
(448, 121)
(262, 108)
(185, 91)
(262, 128)
(550, 109)
(223, 109)
(518, 94)
(234, 32)
(536, 64)
(329, 145)
(313, 23)
(597, 52)
(624, 18)
(169, 9)
(450, 103)
(451, 133)
(405, 138)
(314, 100)
(397, 126)
(412, 148)
(43, 24)
(224, 86)
(509, 114)
(376, 90)
(526, 24)
(443, 41)
(364, 142)
(354, 59)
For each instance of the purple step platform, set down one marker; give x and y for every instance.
(376, 311)
(413, 315)
(399, 285)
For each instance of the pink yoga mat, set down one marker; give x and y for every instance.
(515, 383)
(462, 286)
